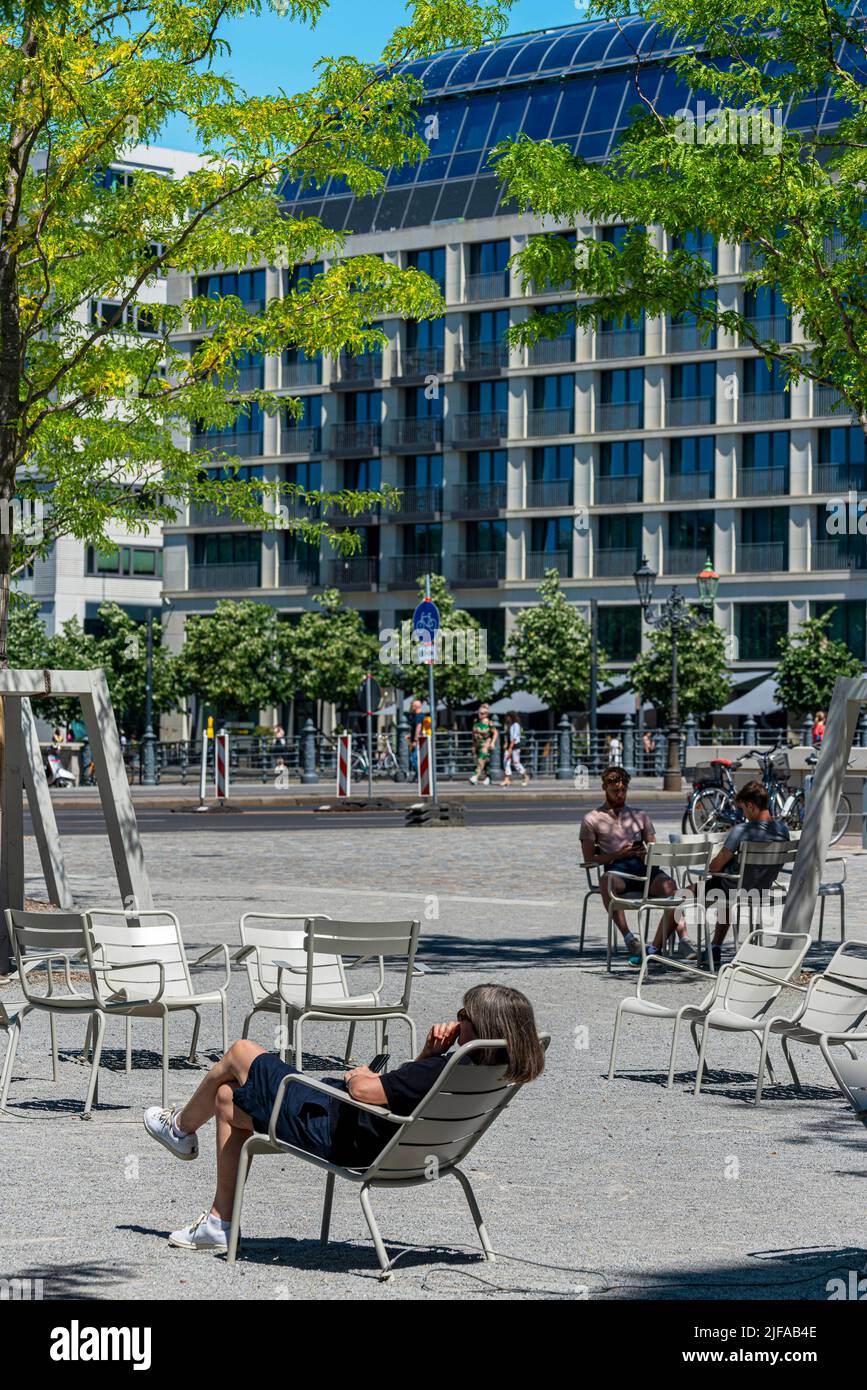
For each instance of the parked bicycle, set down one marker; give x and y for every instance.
(711, 804)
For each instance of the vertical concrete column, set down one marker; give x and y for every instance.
(518, 472)
(654, 463)
(727, 258)
(727, 461)
(519, 388)
(730, 296)
(456, 269)
(654, 396)
(651, 540)
(517, 542)
(584, 385)
(729, 385)
(725, 547)
(799, 538)
(803, 444)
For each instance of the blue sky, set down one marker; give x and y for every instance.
(269, 52)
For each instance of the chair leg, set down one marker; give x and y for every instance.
(821, 917)
(413, 1041)
(476, 1215)
(224, 1019)
(672, 1059)
(349, 1042)
(842, 914)
(608, 944)
(128, 1060)
(614, 1040)
(92, 1089)
(284, 1032)
(246, 1028)
(299, 1051)
(326, 1209)
(194, 1057)
(583, 925)
(244, 1162)
(9, 1061)
(52, 1024)
(377, 1034)
(763, 1057)
(788, 1056)
(165, 1059)
(701, 1056)
(381, 1252)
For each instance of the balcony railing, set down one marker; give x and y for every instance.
(412, 432)
(354, 572)
(839, 477)
(301, 373)
(356, 434)
(538, 561)
(691, 410)
(685, 337)
(551, 492)
(544, 422)
(763, 482)
(684, 559)
(405, 571)
(300, 439)
(421, 361)
(764, 405)
(619, 342)
(549, 351)
(480, 427)
(757, 558)
(688, 487)
(839, 553)
(480, 567)
(294, 574)
(628, 415)
(483, 357)
(770, 328)
(239, 445)
(828, 401)
(421, 501)
(490, 285)
(616, 562)
(342, 517)
(210, 515)
(245, 576)
(478, 497)
(627, 488)
(366, 367)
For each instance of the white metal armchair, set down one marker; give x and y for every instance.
(637, 896)
(427, 1145)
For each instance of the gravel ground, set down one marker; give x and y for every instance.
(589, 1189)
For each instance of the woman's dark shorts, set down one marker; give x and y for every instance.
(307, 1118)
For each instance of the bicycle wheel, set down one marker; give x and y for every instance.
(710, 808)
(842, 818)
(794, 817)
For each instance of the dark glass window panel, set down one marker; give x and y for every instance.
(764, 525)
(487, 466)
(431, 260)
(333, 213)
(554, 392)
(692, 454)
(764, 301)
(842, 444)
(620, 631)
(480, 111)
(483, 198)
(422, 205)
(454, 198)
(424, 540)
(362, 214)
(490, 326)
(554, 463)
(362, 475)
(438, 71)
(425, 333)
(508, 118)
(500, 60)
(530, 57)
(619, 532)
(690, 530)
(431, 170)
(442, 132)
(759, 627)
(847, 623)
(488, 257)
(464, 164)
(489, 537)
(594, 146)
(467, 68)
(402, 174)
(543, 104)
(492, 621)
(424, 470)
(621, 459)
(596, 44)
(488, 396)
(693, 379)
(551, 533)
(623, 386)
(227, 548)
(572, 109)
(608, 93)
(761, 379)
(766, 449)
(307, 475)
(391, 210)
(362, 406)
(420, 406)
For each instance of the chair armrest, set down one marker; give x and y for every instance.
(243, 953)
(215, 951)
(661, 959)
(32, 962)
(343, 1096)
(737, 968)
(136, 965)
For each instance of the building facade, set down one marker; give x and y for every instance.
(584, 453)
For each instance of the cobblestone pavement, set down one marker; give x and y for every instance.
(589, 1189)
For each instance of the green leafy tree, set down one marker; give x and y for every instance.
(332, 651)
(456, 680)
(28, 640)
(792, 193)
(88, 401)
(120, 649)
(238, 657)
(703, 683)
(549, 650)
(810, 662)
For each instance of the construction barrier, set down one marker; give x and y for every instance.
(425, 787)
(344, 764)
(221, 765)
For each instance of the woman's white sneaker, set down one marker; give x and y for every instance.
(160, 1126)
(207, 1233)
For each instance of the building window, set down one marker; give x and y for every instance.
(759, 627)
(299, 278)
(619, 630)
(492, 621)
(489, 257)
(487, 466)
(230, 548)
(246, 285)
(128, 561)
(847, 623)
(432, 262)
(423, 470)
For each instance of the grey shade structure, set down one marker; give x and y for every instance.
(23, 768)
(427, 1145)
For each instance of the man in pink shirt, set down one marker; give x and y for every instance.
(615, 836)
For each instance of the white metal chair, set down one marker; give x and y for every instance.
(594, 890)
(638, 899)
(747, 987)
(833, 1012)
(834, 888)
(120, 945)
(447, 1123)
(41, 941)
(300, 973)
(755, 854)
(11, 1026)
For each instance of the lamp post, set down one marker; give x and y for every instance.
(148, 743)
(675, 617)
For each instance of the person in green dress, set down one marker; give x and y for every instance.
(484, 740)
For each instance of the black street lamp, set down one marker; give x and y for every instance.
(149, 739)
(675, 617)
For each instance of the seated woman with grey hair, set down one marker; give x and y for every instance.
(239, 1093)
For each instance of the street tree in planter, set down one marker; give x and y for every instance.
(238, 657)
(331, 652)
(810, 662)
(549, 650)
(702, 679)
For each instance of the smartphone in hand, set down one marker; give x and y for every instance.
(380, 1062)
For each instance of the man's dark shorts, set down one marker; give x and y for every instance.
(634, 864)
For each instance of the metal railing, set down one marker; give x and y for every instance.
(483, 357)
(628, 415)
(839, 553)
(212, 516)
(356, 434)
(770, 328)
(619, 342)
(690, 410)
(300, 439)
(421, 361)
(366, 367)
(839, 477)
(758, 558)
(683, 559)
(478, 497)
(243, 445)
(301, 373)
(608, 489)
(478, 426)
(296, 575)
(353, 572)
(688, 487)
(421, 501)
(538, 561)
(764, 405)
(828, 401)
(550, 351)
(763, 482)
(489, 285)
(686, 337)
(479, 567)
(544, 422)
(405, 571)
(412, 431)
(246, 576)
(550, 492)
(616, 562)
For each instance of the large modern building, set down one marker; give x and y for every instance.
(585, 453)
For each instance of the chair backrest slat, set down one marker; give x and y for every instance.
(276, 942)
(774, 953)
(120, 941)
(379, 940)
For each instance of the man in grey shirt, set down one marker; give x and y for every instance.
(758, 828)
